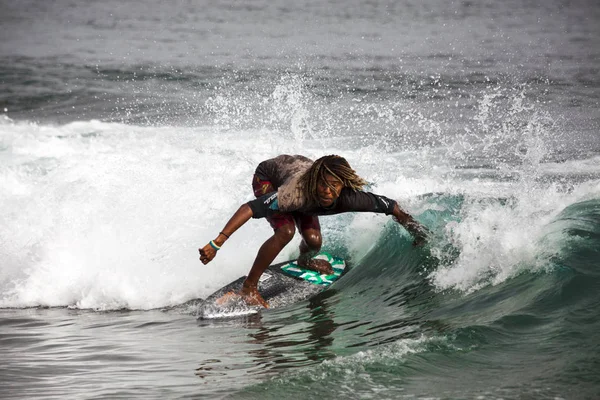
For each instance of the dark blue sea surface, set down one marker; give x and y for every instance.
(129, 135)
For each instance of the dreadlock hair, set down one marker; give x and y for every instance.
(335, 166)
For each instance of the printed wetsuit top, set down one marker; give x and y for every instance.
(348, 201)
(280, 169)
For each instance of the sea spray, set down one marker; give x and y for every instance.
(498, 232)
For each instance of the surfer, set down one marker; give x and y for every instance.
(292, 191)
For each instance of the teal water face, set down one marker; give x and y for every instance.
(391, 334)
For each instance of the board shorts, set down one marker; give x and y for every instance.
(302, 221)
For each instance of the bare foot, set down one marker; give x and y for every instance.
(316, 264)
(252, 297)
(226, 298)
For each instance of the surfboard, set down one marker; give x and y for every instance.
(281, 284)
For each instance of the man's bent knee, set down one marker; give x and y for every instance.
(313, 239)
(285, 233)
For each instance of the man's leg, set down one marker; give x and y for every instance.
(266, 254)
(310, 229)
(311, 242)
(283, 226)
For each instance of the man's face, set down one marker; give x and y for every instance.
(325, 194)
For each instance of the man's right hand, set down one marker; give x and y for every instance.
(207, 253)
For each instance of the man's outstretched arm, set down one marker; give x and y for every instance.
(418, 231)
(241, 216)
(371, 202)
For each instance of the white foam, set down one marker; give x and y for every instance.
(498, 239)
(100, 215)
(103, 215)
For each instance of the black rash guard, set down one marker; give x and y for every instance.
(348, 201)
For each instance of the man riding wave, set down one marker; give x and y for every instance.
(292, 191)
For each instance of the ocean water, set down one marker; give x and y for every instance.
(129, 132)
